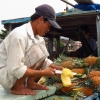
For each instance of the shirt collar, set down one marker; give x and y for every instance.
(31, 33)
(29, 30)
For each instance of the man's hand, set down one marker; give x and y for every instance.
(48, 71)
(56, 67)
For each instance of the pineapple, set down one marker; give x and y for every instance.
(69, 59)
(67, 64)
(91, 60)
(66, 77)
(42, 80)
(68, 89)
(94, 73)
(91, 82)
(67, 72)
(86, 91)
(86, 87)
(78, 70)
(96, 80)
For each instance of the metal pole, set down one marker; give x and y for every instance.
(65, 46)
(98, 31)
(68, 3)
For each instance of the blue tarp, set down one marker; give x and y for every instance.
(87, 7)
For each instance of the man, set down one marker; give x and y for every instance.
(23, 54)
(81, 52)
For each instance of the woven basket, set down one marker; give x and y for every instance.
(84, 1)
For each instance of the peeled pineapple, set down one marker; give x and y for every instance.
(42, 80)
(65, 77)
(66, 81)
(67, 72)
(91, 60)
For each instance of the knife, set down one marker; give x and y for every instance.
(60, 72)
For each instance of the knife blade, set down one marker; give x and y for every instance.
(60, 72)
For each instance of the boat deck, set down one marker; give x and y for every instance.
(41, 95)
(6, 95)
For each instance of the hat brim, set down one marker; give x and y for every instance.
(54, 24)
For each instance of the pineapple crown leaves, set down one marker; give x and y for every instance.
(87, 83)
(60, 59)
(96, 67)
(98, 62)
(80, 96)
(88, 69)
(97, 88)
(57, 61)
(51, 80)
(79, 63)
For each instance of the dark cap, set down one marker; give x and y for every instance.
(48, 12)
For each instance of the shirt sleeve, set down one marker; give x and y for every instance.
(15, 61)
(80, 52)
(47, 63)
(93, 43)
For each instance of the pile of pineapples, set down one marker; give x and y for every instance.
(85, 82)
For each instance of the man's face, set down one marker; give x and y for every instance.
(43, 26)
(85, 34)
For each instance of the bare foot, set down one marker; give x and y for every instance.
(36, 86)
(22, 90)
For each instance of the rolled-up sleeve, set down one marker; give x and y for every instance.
(47, 63)
(15, 61)
(20, 71)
